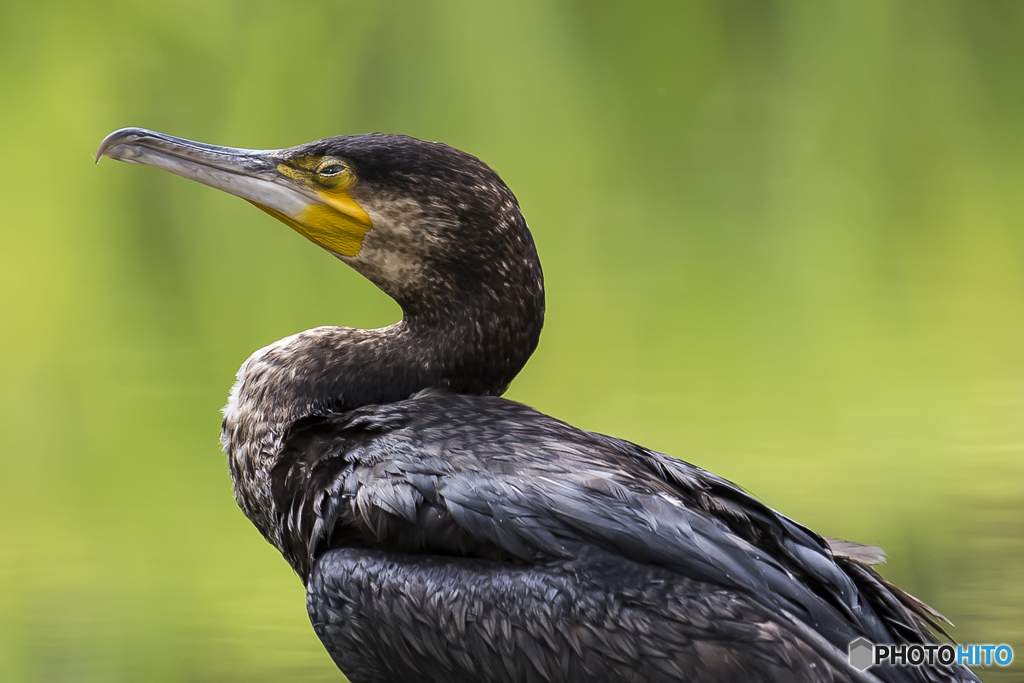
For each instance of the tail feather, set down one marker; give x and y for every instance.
(908, 619)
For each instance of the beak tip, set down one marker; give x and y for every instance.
(121, 137)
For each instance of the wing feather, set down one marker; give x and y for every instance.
(486, 478)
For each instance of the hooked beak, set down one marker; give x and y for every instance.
(333, 220)
(247, 173)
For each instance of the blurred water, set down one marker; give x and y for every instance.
(782, 240)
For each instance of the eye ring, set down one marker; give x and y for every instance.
(331, 170)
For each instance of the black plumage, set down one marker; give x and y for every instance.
(447, 534)
(465, 538)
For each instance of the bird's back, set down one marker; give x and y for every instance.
(452, 537)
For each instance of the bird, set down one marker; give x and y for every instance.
(445, 533)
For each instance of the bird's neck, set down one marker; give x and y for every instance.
(474, 347)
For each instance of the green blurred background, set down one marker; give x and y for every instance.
(782, 240)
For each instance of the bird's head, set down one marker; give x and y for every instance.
(428, 224)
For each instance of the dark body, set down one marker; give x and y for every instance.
(460, 538)
(447, 535)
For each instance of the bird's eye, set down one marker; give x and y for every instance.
(331, 170)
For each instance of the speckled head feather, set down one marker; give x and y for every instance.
(444, 216)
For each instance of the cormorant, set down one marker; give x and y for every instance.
(445, 534)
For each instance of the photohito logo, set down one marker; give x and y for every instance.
(865, 654)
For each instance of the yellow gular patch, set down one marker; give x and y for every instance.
(324, 226)
(336, 231)
(339, 224)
